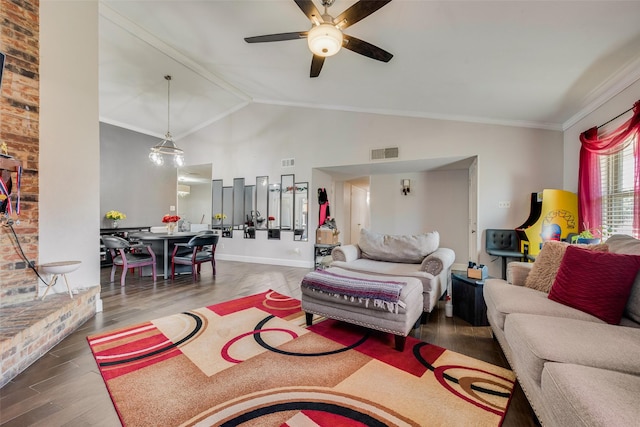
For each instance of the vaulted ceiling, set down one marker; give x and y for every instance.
(525, 63)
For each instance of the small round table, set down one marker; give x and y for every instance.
(57, 269)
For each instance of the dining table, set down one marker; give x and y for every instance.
(162, 245)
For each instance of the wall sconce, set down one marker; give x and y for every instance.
(406, 186)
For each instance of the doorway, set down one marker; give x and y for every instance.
(359, 207)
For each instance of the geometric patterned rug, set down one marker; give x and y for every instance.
(253, 362)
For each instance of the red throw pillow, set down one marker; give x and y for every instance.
(598, 283)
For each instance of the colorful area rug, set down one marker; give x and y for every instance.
(253, 362)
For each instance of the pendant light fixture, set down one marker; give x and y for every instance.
(167, 147)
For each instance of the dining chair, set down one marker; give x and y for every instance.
(198, 250)
(126, 255)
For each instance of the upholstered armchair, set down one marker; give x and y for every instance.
(416, 256)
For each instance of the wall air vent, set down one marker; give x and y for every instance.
(288, 163)
(384, 153)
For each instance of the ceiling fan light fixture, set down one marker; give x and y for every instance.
(325, 40)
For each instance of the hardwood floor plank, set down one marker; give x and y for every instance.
(64, 388)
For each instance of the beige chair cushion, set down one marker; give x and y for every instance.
(397, 248)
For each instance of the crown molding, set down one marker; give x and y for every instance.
(618, 82)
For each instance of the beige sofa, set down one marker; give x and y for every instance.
(575, 369)
(416, 256)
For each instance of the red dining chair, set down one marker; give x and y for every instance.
(200, 249)
(128, 256)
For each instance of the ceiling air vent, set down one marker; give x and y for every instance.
(384, 153)
(288, 163)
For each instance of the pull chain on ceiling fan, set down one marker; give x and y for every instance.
(326, 37)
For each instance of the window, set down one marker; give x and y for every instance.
(617, 172)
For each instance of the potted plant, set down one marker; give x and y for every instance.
(589, 236)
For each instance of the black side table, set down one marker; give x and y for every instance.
(468, 301)
(321, 250)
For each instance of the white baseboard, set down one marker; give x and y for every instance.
(271, 261)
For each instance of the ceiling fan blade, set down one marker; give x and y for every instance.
(367, 49)
(309, 9)
(277, 37)
(359, 11)
(316, 65)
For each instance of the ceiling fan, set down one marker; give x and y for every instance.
(325, 38)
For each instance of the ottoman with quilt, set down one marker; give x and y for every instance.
(388, 304)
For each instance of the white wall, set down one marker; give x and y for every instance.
(512, 162)
(69, 138)
(610, 109)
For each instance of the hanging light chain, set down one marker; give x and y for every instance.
(168, 79)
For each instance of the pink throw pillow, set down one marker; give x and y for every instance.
(598, 283)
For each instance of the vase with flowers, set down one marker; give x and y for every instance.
(219, 217)
(171, 221)
(272, 219)
(115, 217)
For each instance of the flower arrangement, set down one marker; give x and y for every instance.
(115, 215)
(219, 216)
(170, 218)
(272, 218)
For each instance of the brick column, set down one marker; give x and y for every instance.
(19, 129)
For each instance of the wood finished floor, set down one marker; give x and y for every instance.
(64, 388)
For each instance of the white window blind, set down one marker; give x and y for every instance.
(617, 171)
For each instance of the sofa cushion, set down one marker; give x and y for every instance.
(584, 396)
(535, 340)
(502, 299)
(622, 244)
(598, 283)
(397, 248)
(544, 269)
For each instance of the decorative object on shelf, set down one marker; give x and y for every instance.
(167, 146)
(115, 217)
(171, 221)
(271, 220)
(219, 217)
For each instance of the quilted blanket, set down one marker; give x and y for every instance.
(383, 293)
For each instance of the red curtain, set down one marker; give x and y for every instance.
(589, 184)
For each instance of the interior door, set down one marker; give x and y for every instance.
(359, 212)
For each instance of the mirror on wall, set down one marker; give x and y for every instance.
(194, 197)
(227, 212)
(286, 202)
(216, 204)
(238, 203)
(301, 209)
(250, 214)
(262, 202)
(273, 220)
